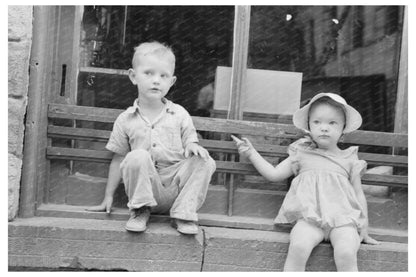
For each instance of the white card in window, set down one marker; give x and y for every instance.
(268, 91)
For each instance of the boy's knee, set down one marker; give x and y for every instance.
(137, 157)
(208, 163)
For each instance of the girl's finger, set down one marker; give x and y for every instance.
(236, 139)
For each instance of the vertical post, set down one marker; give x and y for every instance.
(400, 118)
(34, 133)
(401, 112)
(239, 63)
(238, 78)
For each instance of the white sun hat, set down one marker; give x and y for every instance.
(353, 119)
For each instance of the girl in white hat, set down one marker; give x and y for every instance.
(325, 199)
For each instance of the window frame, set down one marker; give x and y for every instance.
(46, 81)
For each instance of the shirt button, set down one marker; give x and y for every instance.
(154, 145)
(153, 126)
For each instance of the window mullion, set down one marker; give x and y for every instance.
(239, 64)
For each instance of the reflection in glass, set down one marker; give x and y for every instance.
(351, 50)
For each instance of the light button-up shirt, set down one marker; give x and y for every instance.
(165, 138)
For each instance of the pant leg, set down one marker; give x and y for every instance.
(191, 177)
(139, 177)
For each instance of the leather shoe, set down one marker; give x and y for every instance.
(138, 219)
(186, 227)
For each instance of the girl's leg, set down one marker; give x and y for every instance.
(303, 238)
(346, 242)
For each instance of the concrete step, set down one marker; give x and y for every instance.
(96, 244)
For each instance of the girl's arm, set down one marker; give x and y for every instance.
(274, 174)
(356, 182)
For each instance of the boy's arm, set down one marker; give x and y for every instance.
(114, 178)
(274, 174)
(356, 182)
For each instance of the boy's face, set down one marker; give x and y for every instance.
(153, 76)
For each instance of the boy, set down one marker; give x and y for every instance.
(155, 149)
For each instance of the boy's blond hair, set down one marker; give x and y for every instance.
(153, 48)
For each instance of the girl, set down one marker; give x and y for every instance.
(325, 200)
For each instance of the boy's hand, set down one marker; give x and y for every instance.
(366, 238)
(105, 206)
(196, 149)
(245, 148)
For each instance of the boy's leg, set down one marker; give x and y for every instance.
(139, 177)
(346, 241)
(303, 239)
(190, 178)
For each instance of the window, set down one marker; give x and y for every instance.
(298, 49)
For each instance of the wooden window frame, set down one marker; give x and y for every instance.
(44, 86)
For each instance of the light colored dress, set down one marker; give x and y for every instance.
(322, 192)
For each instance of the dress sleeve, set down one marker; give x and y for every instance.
(359, 167)
(293, 151)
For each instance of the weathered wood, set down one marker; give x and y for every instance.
(219, 145)
(83, 113)
(401, 111)
(231, 126)
(78, 133)
(110, 71)
(34, 160)
(77, 154)
(239, 62)
(222, 166)
(271, 130)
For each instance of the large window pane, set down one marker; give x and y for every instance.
(201, 38)
(350, 50)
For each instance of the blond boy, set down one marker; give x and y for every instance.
(156, 151)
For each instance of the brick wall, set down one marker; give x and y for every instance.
(19, 44)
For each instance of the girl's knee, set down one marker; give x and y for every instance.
(345, 253)
(300, 249)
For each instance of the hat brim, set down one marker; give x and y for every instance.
(353, 119)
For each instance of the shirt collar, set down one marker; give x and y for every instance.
(136, 108)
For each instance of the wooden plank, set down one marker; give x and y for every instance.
(231, 126)
(78, 133)
(377, 138)
(110, 71)
(219, 145)
(83, 113)
(79, 154)
(246, 127)
(385, 180)
(222, 166)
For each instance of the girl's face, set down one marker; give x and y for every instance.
(326, 124)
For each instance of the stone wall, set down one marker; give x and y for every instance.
(19, 45)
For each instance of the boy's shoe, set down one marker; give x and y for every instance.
(138, 219)
(185, 227)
